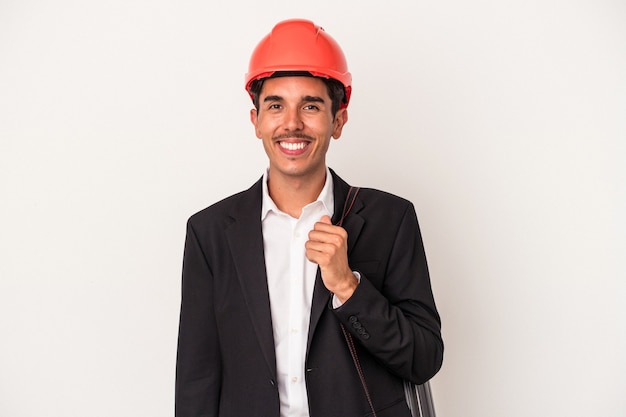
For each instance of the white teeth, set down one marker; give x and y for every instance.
(292, 146)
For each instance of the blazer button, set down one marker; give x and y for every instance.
(353, 319)
(365, 336)
(357, 325)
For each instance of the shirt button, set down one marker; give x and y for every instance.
(294, 379)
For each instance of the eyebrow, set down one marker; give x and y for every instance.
(272, 98)
(314, 99)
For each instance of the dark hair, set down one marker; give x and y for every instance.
(336, 90)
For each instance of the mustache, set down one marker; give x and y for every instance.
(294, 135)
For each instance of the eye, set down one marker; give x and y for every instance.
(274, 106)
(311, 107)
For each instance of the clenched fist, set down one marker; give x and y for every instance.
(328, 247)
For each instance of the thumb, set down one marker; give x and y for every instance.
(325, 219)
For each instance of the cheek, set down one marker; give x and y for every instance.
(266, 126)
(260, 129)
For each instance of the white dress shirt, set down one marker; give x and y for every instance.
(290, 280)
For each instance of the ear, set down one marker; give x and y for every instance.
(341, 118)
(254, 118)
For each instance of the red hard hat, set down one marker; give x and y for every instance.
(299, 45)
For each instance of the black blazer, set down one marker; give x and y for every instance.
(226, 363)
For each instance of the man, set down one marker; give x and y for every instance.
(269, 278)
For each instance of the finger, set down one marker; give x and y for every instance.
(335, 239)
(317, 255)
(321, 247)
(324, 224)
(330, 228)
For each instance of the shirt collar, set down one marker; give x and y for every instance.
(326, 196)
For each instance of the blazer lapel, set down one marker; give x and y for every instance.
(245, 239)
(353, 224)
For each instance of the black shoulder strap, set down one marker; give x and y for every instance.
(347, 206)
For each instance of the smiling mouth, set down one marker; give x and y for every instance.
(290, 146)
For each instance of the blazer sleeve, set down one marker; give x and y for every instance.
(198, 371)
(395, 318)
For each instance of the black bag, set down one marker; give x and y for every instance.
(419, 399)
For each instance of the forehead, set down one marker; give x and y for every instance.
(297, 86)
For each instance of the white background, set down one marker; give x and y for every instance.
(503, 121)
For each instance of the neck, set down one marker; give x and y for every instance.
(291, 194)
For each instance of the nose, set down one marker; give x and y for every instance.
(293, 120)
